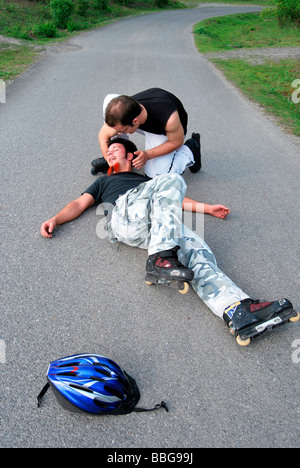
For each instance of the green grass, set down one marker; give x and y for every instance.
(244, 31)
(270, 85)
(269, 82)
(264, 3)
(15, 59)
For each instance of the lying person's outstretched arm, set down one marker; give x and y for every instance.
(219, 211)
(71, 211)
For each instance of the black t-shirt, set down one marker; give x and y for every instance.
(160, 105)
(107, 189)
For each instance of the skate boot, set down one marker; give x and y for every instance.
(99, 165)
(248, 319)
(194, 145)
(165, 268)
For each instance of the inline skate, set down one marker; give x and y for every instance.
(165, 268)
(249, 318)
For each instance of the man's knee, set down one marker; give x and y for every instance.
(173, 181)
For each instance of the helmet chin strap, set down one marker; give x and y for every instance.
(156, 407)
(136, 410)
(42, 393)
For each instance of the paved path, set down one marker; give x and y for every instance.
(76, 293)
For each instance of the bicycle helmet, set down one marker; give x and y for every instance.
(93, 384)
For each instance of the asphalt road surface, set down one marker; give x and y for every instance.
(77, 293)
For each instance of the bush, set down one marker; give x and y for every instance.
(288, 11)
(82, 7)
(61, 10)
(47, 29)
(19, 32)
(101, 5)
(161, 3)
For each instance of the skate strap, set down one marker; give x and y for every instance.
(172, 253)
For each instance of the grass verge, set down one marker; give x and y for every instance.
(275, 85)
(246, 30)
(270, 85)
(15, 59)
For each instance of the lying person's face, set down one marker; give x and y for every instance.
(115, 154)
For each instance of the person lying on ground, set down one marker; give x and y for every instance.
(148, 214)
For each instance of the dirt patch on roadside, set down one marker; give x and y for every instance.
(258, 55)
(10, 40)
(32, 52)
(54, 48)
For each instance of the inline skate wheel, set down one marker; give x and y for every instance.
(242, 342)
(295, 319)
(185, 288)
(148, 283)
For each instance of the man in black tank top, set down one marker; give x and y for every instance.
(160, 116)
(160, 105)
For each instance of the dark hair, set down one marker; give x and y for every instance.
(128, 145)
(122, 109)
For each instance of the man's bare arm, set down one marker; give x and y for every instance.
(71, 211)
(219, 211)
(175, 135)
(105, 134)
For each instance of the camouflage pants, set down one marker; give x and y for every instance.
(150, 217)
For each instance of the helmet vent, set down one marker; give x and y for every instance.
(103, 371)
(101, 404)
(81, 387)
(98, 379)
(70, 364)
(114, 391)
(70, 374)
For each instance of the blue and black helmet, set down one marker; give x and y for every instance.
(94, 384)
